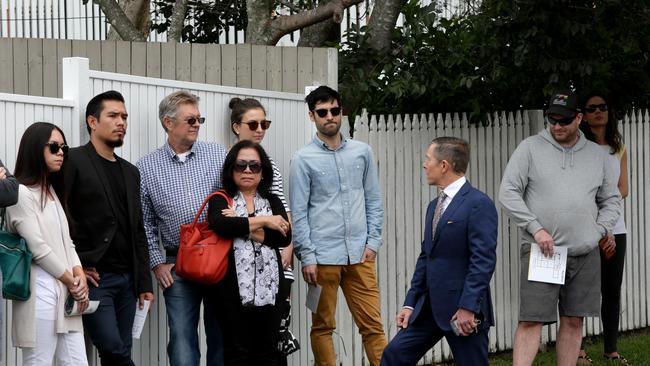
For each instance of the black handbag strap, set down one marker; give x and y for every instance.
(3, 212)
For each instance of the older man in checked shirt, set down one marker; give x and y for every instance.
(176, 178)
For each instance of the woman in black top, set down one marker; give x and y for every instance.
(257, 221)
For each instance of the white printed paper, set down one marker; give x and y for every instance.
(140, 318)
(313, 296)
(547, 269)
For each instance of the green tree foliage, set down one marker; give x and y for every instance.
(508, 55)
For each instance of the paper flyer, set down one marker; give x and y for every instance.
(140, 318)
(313, 296)
(547, 269)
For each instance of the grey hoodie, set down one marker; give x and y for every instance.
(570, 192)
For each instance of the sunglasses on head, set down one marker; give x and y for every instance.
(591, 108)
(55, 147)
(253, 125)
(560, 121)
(253, 165)
(322, 112)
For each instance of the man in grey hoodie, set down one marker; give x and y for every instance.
(558, 188)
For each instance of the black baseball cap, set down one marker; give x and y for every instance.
(563, 103)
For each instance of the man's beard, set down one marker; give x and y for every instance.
(115, 143)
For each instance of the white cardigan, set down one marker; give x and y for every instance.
(53, 251)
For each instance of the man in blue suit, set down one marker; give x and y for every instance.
(450, 290)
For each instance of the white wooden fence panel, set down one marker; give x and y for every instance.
(491, 146)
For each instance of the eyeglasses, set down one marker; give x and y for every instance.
(592, 108)
(55, 147)
(254, 166)
(192, 120)
(322, 112)
(560, 121)
(253, 125)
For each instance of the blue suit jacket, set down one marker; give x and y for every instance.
(456, 266)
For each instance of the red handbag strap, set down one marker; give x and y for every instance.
(220, 192)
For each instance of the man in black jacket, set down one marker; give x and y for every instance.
(103, 196)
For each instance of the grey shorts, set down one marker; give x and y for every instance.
(578, 297)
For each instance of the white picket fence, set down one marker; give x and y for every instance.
(400, 143)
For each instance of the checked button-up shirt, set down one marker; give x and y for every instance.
(172, 191)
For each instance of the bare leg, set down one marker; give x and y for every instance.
(568, 340)
(526, 343)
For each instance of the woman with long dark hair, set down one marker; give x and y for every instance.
(256, 221)
(600, 126)
(40, 326)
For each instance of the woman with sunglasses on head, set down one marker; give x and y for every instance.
(40, 326)
(600, 126)
(257, 222)
(248, 122)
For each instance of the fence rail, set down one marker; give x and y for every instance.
(400, 143)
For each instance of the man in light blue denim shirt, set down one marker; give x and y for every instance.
(337, 220)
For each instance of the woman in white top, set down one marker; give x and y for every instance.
(600, 126)
(40, 326)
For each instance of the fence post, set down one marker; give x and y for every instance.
(332, 68)
(76, 87)
(536, 118)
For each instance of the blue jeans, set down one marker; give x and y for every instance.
(183, 300)
(110, 326)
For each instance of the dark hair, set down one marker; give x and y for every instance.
(228, 181)
(322, 94)
(454, 150)
(96, 105)
(612, 135)
(239, 107)
(31, 168)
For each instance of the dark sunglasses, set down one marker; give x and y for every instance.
(192, 120)
(55, 147)
(322, 112)
(253, 125)
(254, 166)
(592, 108)
(560, 121)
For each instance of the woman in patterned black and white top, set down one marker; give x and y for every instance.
(248, 122)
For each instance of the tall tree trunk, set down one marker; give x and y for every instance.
(120, 22)
(177, 21)
(320, 33)
(259, 16)
(382, 22)
(138, 12)
(379, 27)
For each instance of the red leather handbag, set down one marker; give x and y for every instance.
(202, 254)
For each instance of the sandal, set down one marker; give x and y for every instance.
(584, 359)
(616, 358)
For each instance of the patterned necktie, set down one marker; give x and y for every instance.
(438, 212)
